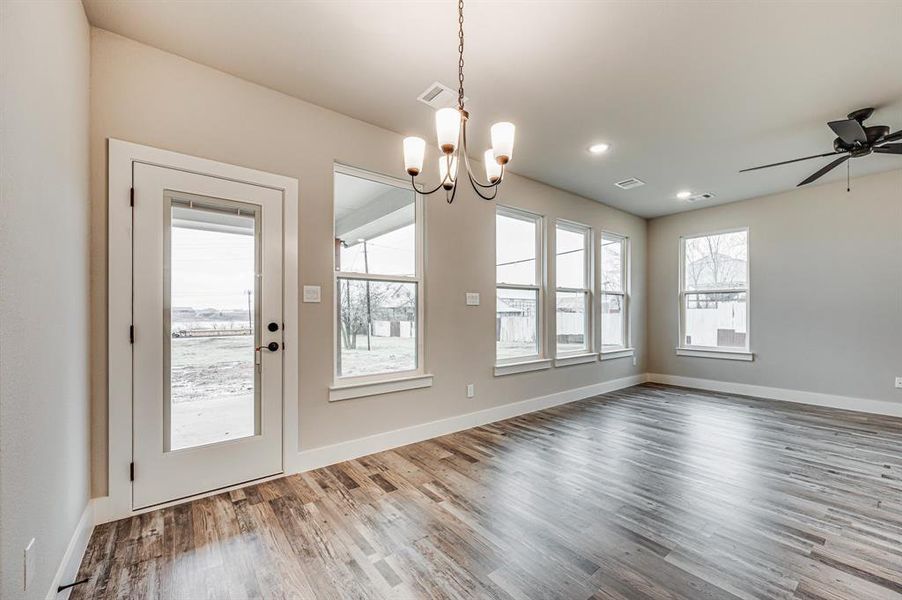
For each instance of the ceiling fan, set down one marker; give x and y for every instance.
(854, 141)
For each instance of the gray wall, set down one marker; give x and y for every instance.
(826, 289)
(151, 97)
(44, 419)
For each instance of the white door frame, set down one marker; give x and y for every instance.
(122, 155)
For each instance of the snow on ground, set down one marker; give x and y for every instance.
(387, 354)
(212, 382)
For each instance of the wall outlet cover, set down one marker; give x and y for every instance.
(311, 293)
(471, 390)
(472, 298)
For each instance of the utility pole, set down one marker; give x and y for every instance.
(250, 324)
(369, 312)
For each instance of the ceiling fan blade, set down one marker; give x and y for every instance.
(889, 149)
(786, 162)
(849, 130)
(892, 137)
(825, 170)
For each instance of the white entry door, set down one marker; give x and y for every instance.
(207, 313)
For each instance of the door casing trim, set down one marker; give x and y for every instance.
(121, 157)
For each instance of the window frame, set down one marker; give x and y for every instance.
(740, 352)
(588, 281)
(624, 292)
(539, 287)
(418, 281)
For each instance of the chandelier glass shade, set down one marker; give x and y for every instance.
(451, 134)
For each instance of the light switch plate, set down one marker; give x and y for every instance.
(899, 382)
(311, 293)
(472, 298)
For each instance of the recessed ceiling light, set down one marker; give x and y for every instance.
(684, 195)
(598, 148)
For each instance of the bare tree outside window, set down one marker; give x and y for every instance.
(714, 290)
(377, 250)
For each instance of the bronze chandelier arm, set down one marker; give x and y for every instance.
(475, 183)
(450, 199)
(474, 180)
(413, 184)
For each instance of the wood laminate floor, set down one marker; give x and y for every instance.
(649, 492)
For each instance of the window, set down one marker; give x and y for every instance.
(518, 302)
(573, 295)
(714, 291)
(378, 269)
(614, 292)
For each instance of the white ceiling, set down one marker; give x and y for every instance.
(686, 93)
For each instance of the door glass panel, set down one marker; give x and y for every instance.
(212, 292)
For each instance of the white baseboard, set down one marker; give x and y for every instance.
(75, 551)
(330, 455)
(105, 510)
(878, 407)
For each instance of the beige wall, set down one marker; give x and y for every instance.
(826, 289)
(143, 95)
(44, 407)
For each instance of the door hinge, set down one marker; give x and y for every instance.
(131, 334)
(131, 471)
(131, 196)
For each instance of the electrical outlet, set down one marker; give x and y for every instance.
(899, 382)
(28, 567)
(471, 390)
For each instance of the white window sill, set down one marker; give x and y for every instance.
(721, 354)
(612, 354)
(373, 388)
(522, 367)
(575, 359)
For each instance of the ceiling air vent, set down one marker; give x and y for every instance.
(439, 95)
(628, 184)
(702, 196)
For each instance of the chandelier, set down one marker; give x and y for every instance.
(451, 130)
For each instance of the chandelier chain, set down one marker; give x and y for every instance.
(460, 51)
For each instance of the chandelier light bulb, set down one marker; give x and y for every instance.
(492, 168)
(414, 150)
(447, 128)
(503, 141)
(447, 179)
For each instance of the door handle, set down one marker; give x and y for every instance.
(272, 347)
